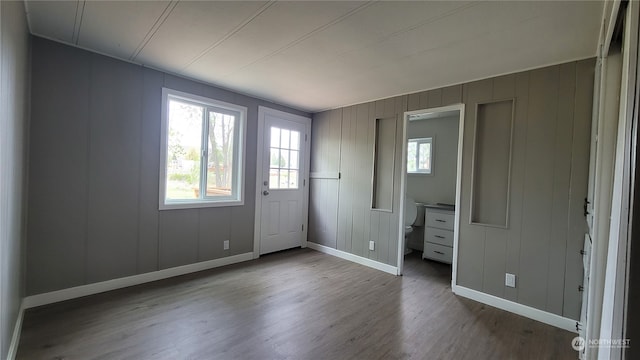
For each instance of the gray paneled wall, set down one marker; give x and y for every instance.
(325, 167)
(94, 163)
(550, 156)
(14, 122)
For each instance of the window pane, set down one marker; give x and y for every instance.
(293, 179)
(274, 158)
(284, 179)
(275, 137)
(183, 151)
(220, 150)
(273, 179)
(284, 140)
(424, 154)
(293, 162)
(284, 158)
(411, 157)
(295, 140)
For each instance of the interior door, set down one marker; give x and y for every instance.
(283, 183)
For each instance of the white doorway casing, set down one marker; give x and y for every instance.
(403, 183)
(304, 124)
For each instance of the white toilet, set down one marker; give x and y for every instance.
(413, 216)
(410, 214)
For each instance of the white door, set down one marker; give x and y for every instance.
(282, 181)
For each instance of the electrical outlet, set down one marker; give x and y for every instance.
(225, 246)
(372, 245)
(510, 280)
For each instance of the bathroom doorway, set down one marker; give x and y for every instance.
(430, 184)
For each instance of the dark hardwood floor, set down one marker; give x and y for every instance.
(297, 304)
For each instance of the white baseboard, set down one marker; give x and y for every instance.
(15, 338)
(354, 258)
(95, 288)
(513, 307)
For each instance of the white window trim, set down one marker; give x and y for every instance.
(239, 156)
(418, 141)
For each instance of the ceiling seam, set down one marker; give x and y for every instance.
(230, 33)
(306, 36)
(154, 29)
(446, 14)
(77, 22)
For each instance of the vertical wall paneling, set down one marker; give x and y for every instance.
(324, 178)
(95, 140)
(471, 241)
(212, 232)
(561, 187)
(578, 186)
(58, 159)
(538, 187)
(492, 163)
(178, 242)
(451, 95)
(114, 169)
(148, 212)
(544, 154)
(348, 167)
(518, 166)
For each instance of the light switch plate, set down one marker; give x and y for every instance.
(225, 245)
(510, 280)
(372, 245)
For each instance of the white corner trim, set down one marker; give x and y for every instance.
(15, 338)
(99, 287)
(353, 258)
(519, 309)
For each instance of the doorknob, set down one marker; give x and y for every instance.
(265, 193)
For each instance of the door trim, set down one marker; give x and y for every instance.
(262, 112)
(403, 185)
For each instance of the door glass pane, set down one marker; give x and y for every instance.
(220, 154)
(284, 159)
(284, 140)
(183, 151)
(293, 162)
(293, 179)
(295, 140)
(274, 158)
(284, 179)
(273, 179)
(275, 137)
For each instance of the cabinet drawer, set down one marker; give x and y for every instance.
(438, 236)
(438, 252)
(439, 220)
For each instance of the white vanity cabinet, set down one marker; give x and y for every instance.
(438, 234)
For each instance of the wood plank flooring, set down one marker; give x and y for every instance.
(297, 304)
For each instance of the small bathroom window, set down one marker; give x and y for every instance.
(420, 156)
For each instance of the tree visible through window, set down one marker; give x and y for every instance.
(202, 153)
(420, 156)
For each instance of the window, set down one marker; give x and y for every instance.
(420, 156)
(202, 157)
(284, 154)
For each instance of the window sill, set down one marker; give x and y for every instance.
(200, 204)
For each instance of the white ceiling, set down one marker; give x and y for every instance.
(316, 55)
